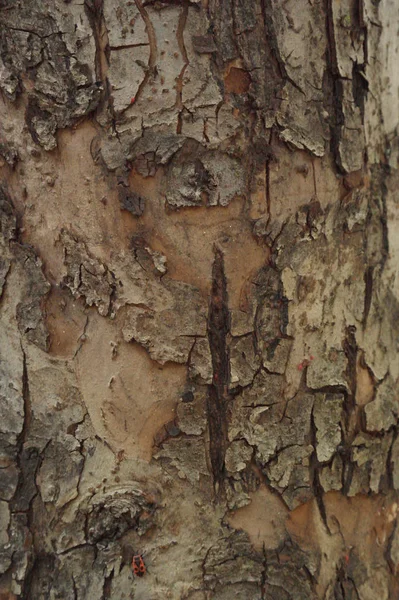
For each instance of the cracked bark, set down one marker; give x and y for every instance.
(199, 299)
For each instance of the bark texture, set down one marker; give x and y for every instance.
(199, 225)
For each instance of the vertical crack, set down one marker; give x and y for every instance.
(267, 191)
(368, 294)
(351, 349)
(218, 329)
(336, 90)
(182, 47)
(390, 466)
(264, 573)
(151, 69)
(27, 459)
(26, 398)
(360, 86)
(28, 462)
(107, 588)
(95, 13)
(267, 15)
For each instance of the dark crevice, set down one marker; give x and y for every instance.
(350, 348)
(26, 399)
(267, 11)
(326, 389)
(368, 293)
(312, 580)
(28, 461)
(352, 417)
(107, 588)
(333, 83)
(75, 590)
(380, 189)
(129, 46)
(218, 396)
(267, 191)
(150, 3)
(390, 466)
(264, 573)
(41, 575)
(94, 11)
(360, 83)
(359, 87)
(348, 469)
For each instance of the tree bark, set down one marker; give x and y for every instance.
(199, 299)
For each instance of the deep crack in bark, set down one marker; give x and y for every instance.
(218, 329)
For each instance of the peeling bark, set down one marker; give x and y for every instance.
(199, 299)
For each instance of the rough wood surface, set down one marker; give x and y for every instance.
(199, 299)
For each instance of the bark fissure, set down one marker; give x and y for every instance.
(107, 588)
(218, 395)
(180, 78)
(352, 416)
(267, 13)
(336, 92)
(20, 502)
(151, 67)
(368, 293)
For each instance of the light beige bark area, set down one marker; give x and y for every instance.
(199, 299)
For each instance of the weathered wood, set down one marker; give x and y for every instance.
(199, 299)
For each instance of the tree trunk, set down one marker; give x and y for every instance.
(199, 299)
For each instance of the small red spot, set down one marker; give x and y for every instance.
(347, 558)
(300, 366)
(132, 99)
(311, 357)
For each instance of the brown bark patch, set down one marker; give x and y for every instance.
(65, 323)
(363, 522)
(364, 383)
(263, 519)
(129, 397)
(237, 81)
(186, 237)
